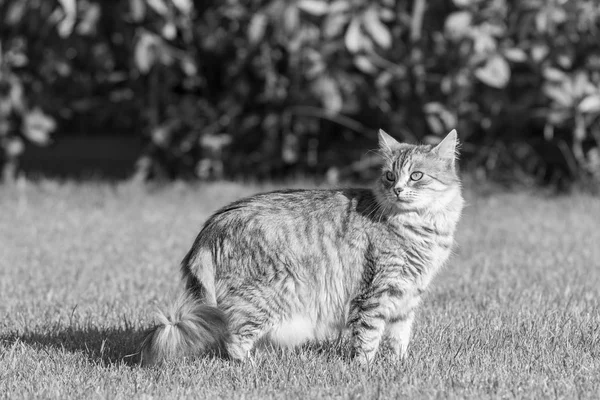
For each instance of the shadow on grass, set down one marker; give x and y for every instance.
(120, 346)
(106, 346)
(331, 349)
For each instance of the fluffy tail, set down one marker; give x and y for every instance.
(190, 328)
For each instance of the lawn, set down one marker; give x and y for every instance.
(516, 314)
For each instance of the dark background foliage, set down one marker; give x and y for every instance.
(272, 88)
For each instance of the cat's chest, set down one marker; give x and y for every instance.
(425, 262)
(438, 255)
(424, 246)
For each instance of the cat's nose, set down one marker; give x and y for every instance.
(398, 190)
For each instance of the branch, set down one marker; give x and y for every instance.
(416, 23)
(347, 122)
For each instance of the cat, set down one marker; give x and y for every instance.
(291, 266)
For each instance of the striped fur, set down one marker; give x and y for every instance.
(296, 265)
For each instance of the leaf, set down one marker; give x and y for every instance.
(462, 3)
(554, 74)
(169, 31)
(495, 29)
(438, 117)
(515, 54)
(579, 132)
(539, 52)
(69, 6)
(590, 104)
(185, 6)
(339, 6)
(314, 7)
(117, 76)
(458, 24)
(119, 95)
(384, 79)
(37, 126)
(14, 147)
(354, 37)
(17, 59)
(5, 126)
(188, 66)
(558, 95)
(580, 84)
(435, 124)
(163, 52)
(6, 108)
(87, 26)
(138, 10)
(62, 68)
(334, 24)
(565, 60)
(387, 14)
(484, 43)
(558, 116)
(448, 118)
(145, 54)
(16, 96)
(590, 88)
(541, 21)
(65, 27)
(378, 31)
(329, 92)
(364, 64)
(291, 18)
(161, 135)
(558, 15)
(495, 72)
(15, 12)
(257, 27)
(290, 149)
(447, 84)
(159, 6)
(433, 107)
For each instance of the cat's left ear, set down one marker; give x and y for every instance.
(386, 142)
(447, 147)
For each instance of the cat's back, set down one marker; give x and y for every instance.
(288, 224)
(294, 204)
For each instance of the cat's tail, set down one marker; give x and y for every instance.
(189, 328)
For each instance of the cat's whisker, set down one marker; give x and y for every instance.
(376, 208)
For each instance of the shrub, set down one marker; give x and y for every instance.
(274, 87)
(19, 121)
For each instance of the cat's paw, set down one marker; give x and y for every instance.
(239, 351)
(362, 357)
(362, 360)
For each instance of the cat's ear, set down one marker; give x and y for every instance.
(447, 147)
(386, 142)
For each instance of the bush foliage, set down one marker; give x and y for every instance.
(270, 87)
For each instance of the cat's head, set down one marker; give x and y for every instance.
(418, 177)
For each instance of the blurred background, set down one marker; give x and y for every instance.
(274, 89)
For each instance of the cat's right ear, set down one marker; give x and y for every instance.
(386, 142)
(447, 147)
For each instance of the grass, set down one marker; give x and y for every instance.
(514, 315)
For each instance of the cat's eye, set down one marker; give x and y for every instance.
(415, 176)
(390, 176)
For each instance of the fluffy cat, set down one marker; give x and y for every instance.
(295, 265)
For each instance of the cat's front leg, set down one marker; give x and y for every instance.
(398, 330)
(368, 313)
